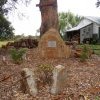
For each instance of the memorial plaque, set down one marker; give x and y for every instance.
(51, 43)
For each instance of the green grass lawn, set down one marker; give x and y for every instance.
(4, 43)
(95, 48)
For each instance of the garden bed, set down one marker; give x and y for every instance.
(83, 78)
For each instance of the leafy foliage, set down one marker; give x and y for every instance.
(6, 30)
(17, 55)
(85, 53)
(98, 3)
(97, 98)
(68, 20)
(45, 73)
(10, 5)
(2, 2)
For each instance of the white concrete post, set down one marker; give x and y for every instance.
(59, 79)
(29, 84)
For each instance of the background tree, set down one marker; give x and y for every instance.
(6, 30)
(67, 20)
(2, 2)
(98, 3)
(10, 4)
(7, 5)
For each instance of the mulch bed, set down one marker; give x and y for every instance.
(83, 78)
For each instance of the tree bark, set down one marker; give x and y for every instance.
(49, 15)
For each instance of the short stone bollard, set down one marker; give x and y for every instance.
(28, 84)
(59, 79)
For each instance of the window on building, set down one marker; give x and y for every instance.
(84, 30)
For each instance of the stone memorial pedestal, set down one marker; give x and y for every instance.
(51, 45)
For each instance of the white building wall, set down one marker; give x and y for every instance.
(95, 28)
(81, 36)
(86, 32)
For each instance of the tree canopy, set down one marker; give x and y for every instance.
(68, 20)
(7, 5)
(3, 9)
(6, 30)
(98, 3)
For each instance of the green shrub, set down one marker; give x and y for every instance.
(44, 72)
(85, 53)
(94, 39)
(97, 98)
(17, 55)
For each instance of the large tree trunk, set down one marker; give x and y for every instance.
(49, 15)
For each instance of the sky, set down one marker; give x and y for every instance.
(27, 19)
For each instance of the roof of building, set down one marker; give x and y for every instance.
(94, 19)
(91, 18)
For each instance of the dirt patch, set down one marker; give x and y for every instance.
(83, 78)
